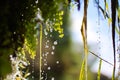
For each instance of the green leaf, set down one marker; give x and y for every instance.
(109, 21)
(99, 70)
(117, 30)
(118, 12)
(82, 71)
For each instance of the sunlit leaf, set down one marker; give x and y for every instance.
(61, 13)
(61, 22)
(61, 35)
(82, 71)
(106, 6)
(84, 36)
(21, 66)
(109, 21)
(18, 78)
(117, 30)
(26, 75)
(118, 12)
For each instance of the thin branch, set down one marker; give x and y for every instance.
(101, 58)
(113, 10)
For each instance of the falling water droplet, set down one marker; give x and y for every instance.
(48, 41)
(47, 53)
(36, 1)
(22, 15)
(43, 54)
(46, 46)
(31, 5)
(32, 76)
(52, 78)
(45, 60)
(41, 78)
(51, 30)
(57, 62)
(32, 71)
(26, 7)
(49, 68)
(42, 73)
(51, 35)
(45, 32)
(52, 53)
(53, 47)
(14, 33)
(45, 64)
(55, 43)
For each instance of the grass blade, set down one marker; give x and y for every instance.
(99, 70)
(82, 71)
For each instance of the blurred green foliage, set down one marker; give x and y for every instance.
(17, 25)
(14, 15)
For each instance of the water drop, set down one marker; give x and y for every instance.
(41, 78)
(14, 33)
(55, 42)
(49, 68)
(36, 1)
(22, 15)
(26, 7)
(52, 53)
(43, 54)
(32, 76)
(53, 47)
(46, 55)
(52, 78)
(50, 35)
(44, 59)
(48, 41)
(45, 64)
(32, 71)
(51, 30)
(57, 62)
(31, 5)
(46, 46)
(45, 32)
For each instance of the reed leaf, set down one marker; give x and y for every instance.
(40, 41)
(99, 70)
(113, 10)
(84, 36)
(82, 71)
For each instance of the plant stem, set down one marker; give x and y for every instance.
(101, 58)
(40, 49)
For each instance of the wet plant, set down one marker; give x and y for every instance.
(25, 25)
